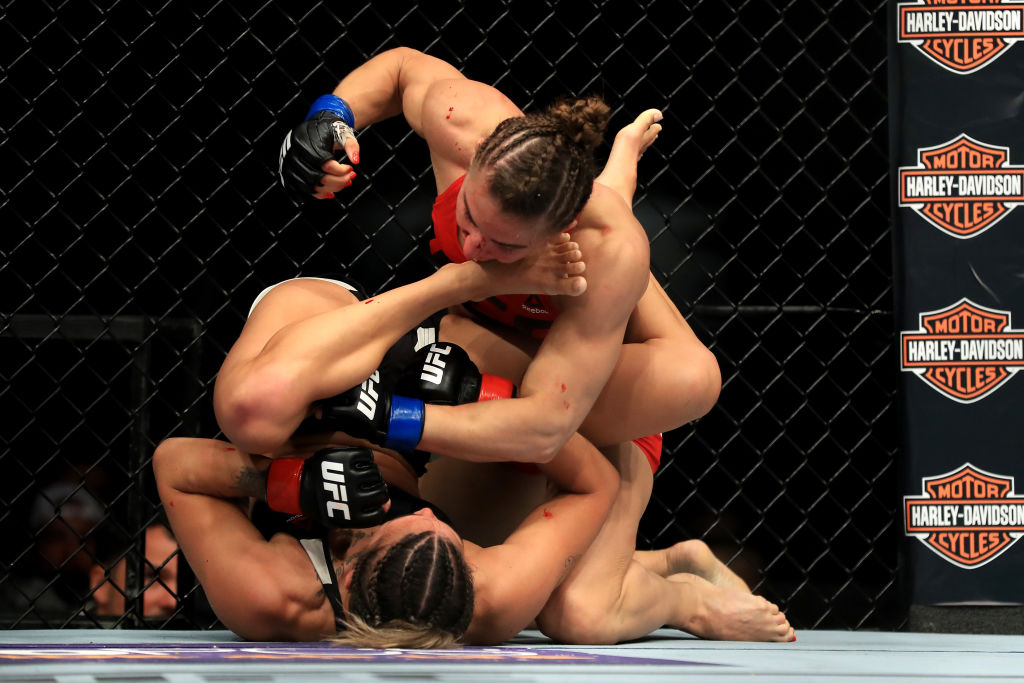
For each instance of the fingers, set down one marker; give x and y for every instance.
(337, 176)
(352, 149)
(335, 167)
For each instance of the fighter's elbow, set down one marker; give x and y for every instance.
(549, 437)
(167, 454)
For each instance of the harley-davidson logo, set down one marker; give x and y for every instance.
(968, 516)
(964, 351)
(962, 187)
(961, 36)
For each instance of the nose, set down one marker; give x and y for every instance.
(473, 244)
(426, 512)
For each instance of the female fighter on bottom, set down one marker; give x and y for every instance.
(409, 581)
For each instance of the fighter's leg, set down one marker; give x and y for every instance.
(664, 377)
(599, 583)
(691, 557)
(630, 143)
(669, 376)
(609, 597)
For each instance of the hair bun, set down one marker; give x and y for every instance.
(584, 120)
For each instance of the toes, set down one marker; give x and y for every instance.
(577, 285)
(649, 117)
(566, 250)
(576, 268)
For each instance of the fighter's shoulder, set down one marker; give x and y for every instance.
(458, 97)
(456, 114)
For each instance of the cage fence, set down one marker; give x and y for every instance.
(141, 215)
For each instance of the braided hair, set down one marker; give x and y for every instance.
(415, 593)
(542, 164)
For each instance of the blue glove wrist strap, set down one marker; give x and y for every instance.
(334, 104)
(406, 426)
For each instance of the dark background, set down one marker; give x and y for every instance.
(140, 216)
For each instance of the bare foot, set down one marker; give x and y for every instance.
(724, 614)
(693, 557)
(696, 557)
(555, 269)
(630, 144)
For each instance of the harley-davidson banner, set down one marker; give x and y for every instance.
(956, 75)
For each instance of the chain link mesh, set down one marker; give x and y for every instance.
(141, 216)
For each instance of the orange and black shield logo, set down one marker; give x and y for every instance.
(967, 516)
(963, 36)
(962, 187)
(965, 351)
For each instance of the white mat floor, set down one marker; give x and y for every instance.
(94, 656)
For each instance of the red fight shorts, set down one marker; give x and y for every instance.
(650, 446)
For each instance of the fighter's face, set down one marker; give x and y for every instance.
(488, 234)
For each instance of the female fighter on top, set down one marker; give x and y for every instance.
(507, 183)
(531, 176)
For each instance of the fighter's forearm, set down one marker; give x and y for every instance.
(211, 468)
(372, 90)
(531, 429)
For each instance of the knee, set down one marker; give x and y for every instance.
(709, 381)
(577, 617)
(697, 380)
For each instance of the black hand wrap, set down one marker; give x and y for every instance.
(306, 148)
(339, 487)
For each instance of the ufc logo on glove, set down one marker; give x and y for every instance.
(368, 396)
(333, 475)
(433, 366)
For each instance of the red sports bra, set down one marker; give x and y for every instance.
(529, 313)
